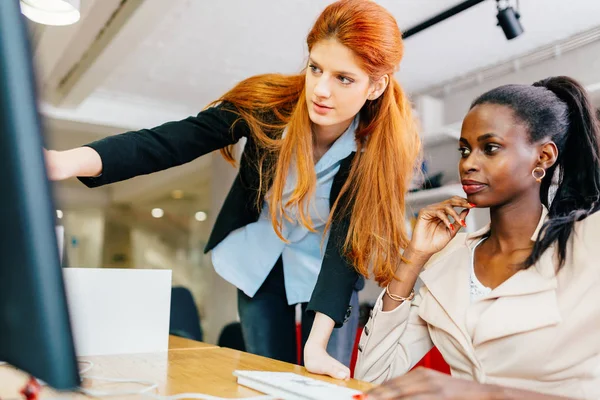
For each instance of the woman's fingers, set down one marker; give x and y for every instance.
(445, 211)
(441, 215)
(450, 211)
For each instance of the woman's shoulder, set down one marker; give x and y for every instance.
(587, 234)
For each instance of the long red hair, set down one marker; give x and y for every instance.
(387, 140)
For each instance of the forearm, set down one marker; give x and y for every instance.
(171, 144)
(321, 331)
(494, 392)
(316, 359)
(407, 274)
(81, 161)
(427, 383)
(87, 161)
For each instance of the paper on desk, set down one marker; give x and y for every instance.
(118, 311)
(290, 386)
(205, 397)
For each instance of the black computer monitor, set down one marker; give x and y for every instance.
(35, 331)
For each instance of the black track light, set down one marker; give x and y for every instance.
(508, 20)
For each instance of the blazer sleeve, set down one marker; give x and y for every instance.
(392, 342)
(337, 278)
(146, 151)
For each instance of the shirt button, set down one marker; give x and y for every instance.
(366, 330)
(348, 314)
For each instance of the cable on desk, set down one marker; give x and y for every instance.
(90, 365)
(97, 393)
(144, 391)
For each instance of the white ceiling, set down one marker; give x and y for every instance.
(199, 49)
(471, 40)
(148, 62)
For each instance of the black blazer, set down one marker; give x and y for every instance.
(146, 151)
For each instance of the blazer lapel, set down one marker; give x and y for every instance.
(445, 306)
(525, 302)
(340, 179)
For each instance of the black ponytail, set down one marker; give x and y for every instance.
(560, 109)
(578, 191)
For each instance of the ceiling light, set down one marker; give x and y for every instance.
(508, 20)
(59, 214)
(177, 194)
(157, 212)
(51, 12)
(201, 216)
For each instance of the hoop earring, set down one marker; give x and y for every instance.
(537, 175)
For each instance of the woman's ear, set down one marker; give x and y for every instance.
(378, 87)
(548, 155)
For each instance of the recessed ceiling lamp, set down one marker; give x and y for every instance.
(51, 12)
(157, 212)
(201, 216)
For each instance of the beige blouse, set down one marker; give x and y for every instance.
(538, 330)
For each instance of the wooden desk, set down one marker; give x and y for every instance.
(200, 370)
(179, 343)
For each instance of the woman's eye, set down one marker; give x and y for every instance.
(464, 151)
(314, 68)
(491, 148)
(344, 80)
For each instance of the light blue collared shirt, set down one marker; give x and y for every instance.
(247, 255)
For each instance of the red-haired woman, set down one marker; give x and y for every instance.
(319, 198)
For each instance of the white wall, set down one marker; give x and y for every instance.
(84, 237)
(582, 64)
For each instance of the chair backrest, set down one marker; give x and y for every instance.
(231, 337)
(185, 320)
